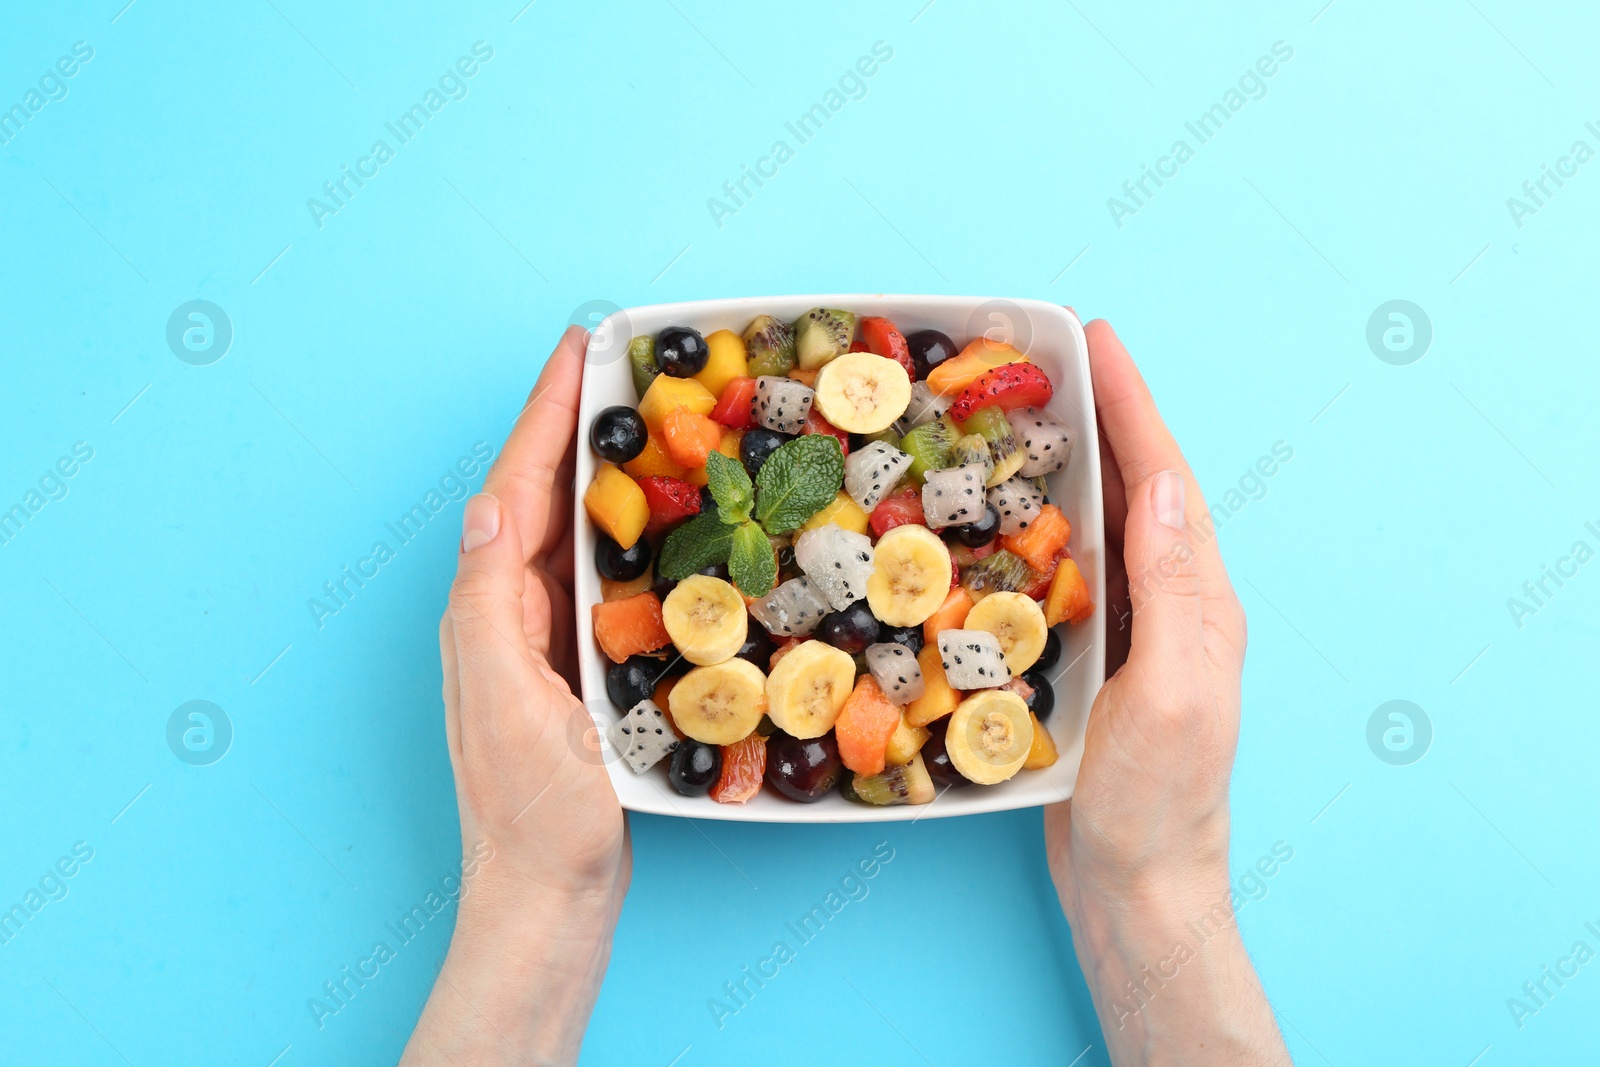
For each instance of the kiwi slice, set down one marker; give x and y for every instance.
(991, 424)
(909, 784)
(821, 334)
(931, 447)
(999, 572)
(769, 343)
(973, 450)
(642, 361)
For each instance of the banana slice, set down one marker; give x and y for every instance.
(808, 687)
(1017, 622)
(706, 619)
(863, 393)
(910, 575)
(720, 704)
(989, 736)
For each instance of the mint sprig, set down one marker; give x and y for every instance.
(798, 480)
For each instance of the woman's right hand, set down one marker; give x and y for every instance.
(1139, 855)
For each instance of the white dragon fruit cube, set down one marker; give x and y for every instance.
(837, 561)
(872, 472)
(1018, 501)
(1045, 440)
(972, 659)
(643, 736)
(791, 610)
(896, 671)
(954, 496)
(782, 404)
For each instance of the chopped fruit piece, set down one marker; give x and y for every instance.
(671, 500)
(981, 356)
(1005, 454)
(725, 361)
(744, 763)
(1068, 600)
(771, 346)
(938, 698)
(707, 620)
(951, 614)
(882, 339)
(1041, 581)
(654, 462)
(901, 508)
(999, 572)
(690, 438)
(821, 334)
(903, 784)
(612, 590)
(663, 691)
(642, 362)
(736, 403)
(864, 726)
(1015, 385)
(667, 393)
(616, 505)
(1043, 540)
(803, 769)
(807, 378)
(843, 513)
(858, 345)
(1017, 623)
(719, 704)
(905, 742)
(625, 628)
(1042, 753)
(808, 688)
(815, 423)
(863, 393)
(784, 648)
(931, 447)
(643, 736)
(990, 736)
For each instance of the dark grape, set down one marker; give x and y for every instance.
(1043, 699)
(906, 636)
(633, 680)
(661, 586)
(929, 348)
(937, 760)
(758, 647)
(1051, 654)
(681, 351)
(756, 445)
(975, 534)
(715, 570)
(695, 767)
(805, 770)
(707, 501)
(851, 629)
(618, 563)
(617, 434)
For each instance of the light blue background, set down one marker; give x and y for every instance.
(371, 353)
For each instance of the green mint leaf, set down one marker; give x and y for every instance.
(700, 542)
(798, 480)
(730, 487)
(751, 563)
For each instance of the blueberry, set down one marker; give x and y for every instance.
(929, 348)
(618, 563)
(681, 351)
(617, 434)
(756, 445)
(1052, 651)
(906, 636)
(975, 534)
(633, 680)
(850, 629)
(695, 767)
(707, 501)
(1043, 700)
(715, 570)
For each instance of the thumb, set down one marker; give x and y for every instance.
(1163, 578)
(486, 608)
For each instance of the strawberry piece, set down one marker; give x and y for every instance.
(815, 423)
(858, 345)
(1008, 387)
(736, 406)
(883, 339)
(900, 508)
(670, 501)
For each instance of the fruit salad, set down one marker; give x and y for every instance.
(829, 560)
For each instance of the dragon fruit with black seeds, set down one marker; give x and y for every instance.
(837, 562)
(951, 497)
(782, 404)
(643, 736)
(791, 610)
(1046, 441)
(872, 471)
(972, 659)
(896, 671)
(1018, 502)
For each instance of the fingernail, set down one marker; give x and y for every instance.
(480, 522)
(1168, 499)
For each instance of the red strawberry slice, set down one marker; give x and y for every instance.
(670, 501)
(883, 339)
(858, 345)
(900, 508)
(1008, 387)
(735, 407)
(815, 423)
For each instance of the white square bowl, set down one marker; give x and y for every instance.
(1053, 338)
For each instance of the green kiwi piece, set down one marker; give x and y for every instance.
(769, 343)
(821, 334)
(999, 572)
(910, 784)
(974, 450)
(991, 424)
(642, 362)
(931, 447)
